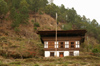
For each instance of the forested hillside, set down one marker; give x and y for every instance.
(21, 19)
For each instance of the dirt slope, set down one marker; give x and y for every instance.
(25, 39)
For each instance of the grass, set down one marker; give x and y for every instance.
(83, 63)
(3, 64)
(16, 62)
(36, 64)
(54, 61)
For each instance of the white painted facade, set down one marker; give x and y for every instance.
(76, 53)
(66, 53)
(47, 53)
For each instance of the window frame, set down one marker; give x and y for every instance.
(56, 44)
(51, 54)
(61, 44)
(71, 53)
(66, 44)
(72, 43)
(77, 44)
(46, 44)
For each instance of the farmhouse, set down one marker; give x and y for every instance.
(65, 43)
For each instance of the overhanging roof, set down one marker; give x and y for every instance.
(63, 33)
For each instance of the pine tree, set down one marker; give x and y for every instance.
(3, 9)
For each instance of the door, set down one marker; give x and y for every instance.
(61, 54)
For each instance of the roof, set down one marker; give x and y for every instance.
(62, 32)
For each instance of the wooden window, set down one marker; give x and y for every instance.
(72, 42)
(51, 44)
(61, 44)
(51, 54)
(56, 44)
(77, 44)
(45, 44)
(72, 45)
(66, 44)
(71, 54)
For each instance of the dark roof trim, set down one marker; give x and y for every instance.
(61, 32)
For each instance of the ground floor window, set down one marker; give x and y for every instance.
(51, 54)
(71, 54)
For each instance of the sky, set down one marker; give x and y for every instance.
(89, 8)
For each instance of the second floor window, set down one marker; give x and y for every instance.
(72, 45)
(45, 44)
(56, 44)
(77, 44)
(66, 44)
(61, 44)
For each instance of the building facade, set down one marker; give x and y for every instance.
(67, 44)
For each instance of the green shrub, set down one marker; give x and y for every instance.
(16, 29)
(18, 39)
(65, 64)
(49, 28)
(16, 62)
(36, 65)
(83, 63)
(95, 50)
(3, 38)
(32, 21)
(67, 27)
(36, 24)
(35, 28)
(1, 63)
(4, 55)
(40, 13)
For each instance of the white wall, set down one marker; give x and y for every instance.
(47, 53)
(66, 53)
(76, 53)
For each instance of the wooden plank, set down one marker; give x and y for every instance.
(61, 38)
(60, 49)
(50, 44)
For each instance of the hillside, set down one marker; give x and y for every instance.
(24, 38)
(45, 21)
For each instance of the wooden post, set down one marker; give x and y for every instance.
(56, 36)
